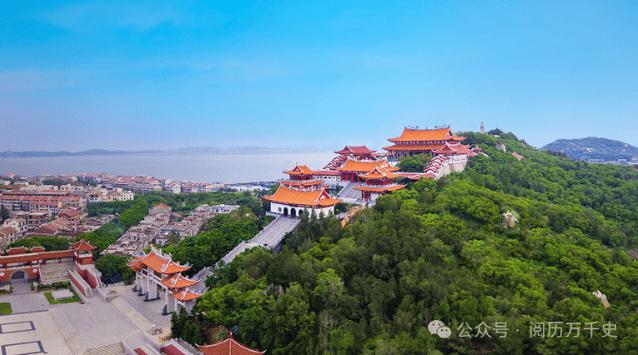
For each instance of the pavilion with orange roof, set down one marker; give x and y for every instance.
(377, 182)
(155, 273)
(352, 169)
(417, 141)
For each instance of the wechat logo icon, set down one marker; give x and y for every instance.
(439, 328)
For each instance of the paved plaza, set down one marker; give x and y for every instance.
(31, 333)
(26, 302)
(73, 328)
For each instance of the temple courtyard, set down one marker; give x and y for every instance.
(96, 326)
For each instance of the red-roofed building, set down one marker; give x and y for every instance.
(21, 264)
(230, 346)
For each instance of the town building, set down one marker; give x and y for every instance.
(19, 224)
(57, 227)
(158, 276)
(8, 235)
(47, 201)
(414, 141)
(32, 219)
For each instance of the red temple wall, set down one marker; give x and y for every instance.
(90, 279)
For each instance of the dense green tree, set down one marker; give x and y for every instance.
(4, 213)
(114, 268)
(414, 163)
(48, 243)
(440, 250)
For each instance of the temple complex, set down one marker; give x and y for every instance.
(157, 276)
(46, 267)
(414, 141)
(377, 182)
(351, 169)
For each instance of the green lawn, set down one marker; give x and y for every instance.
(52, 300)
(5, 308)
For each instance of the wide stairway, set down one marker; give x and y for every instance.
(111, 349)
(50, 273)
(349, 194)
(273, 234)
(270, 237)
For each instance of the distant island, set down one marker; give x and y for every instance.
(593, 148)
(179, 151)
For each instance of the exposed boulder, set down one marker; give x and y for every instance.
(509, 219)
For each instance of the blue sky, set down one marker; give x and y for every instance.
(156, 74)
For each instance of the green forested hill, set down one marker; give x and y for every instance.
(440, 250)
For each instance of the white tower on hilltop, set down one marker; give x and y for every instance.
(482, 127)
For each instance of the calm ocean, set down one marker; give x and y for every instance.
(204, 168)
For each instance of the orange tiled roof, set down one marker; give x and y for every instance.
(379, 173)
(161, 264)
(457, 148)
(136, 265)
(186, 295)
(414, 147)
(415, 134)
(313, 198)
(228, 347)
(301, 183)
(365, 166)
(381, 189)
(177, 281)
(300, 170)
(326, 173)
(82, 245)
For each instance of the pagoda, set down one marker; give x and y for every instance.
(377, 182)
(156, 272)
(414, 141)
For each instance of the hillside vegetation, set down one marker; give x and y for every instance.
(440, 250)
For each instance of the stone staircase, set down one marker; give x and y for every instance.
(349, 194)
(71, 337)
(111, 349)
(270, 237)
(50, 273)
